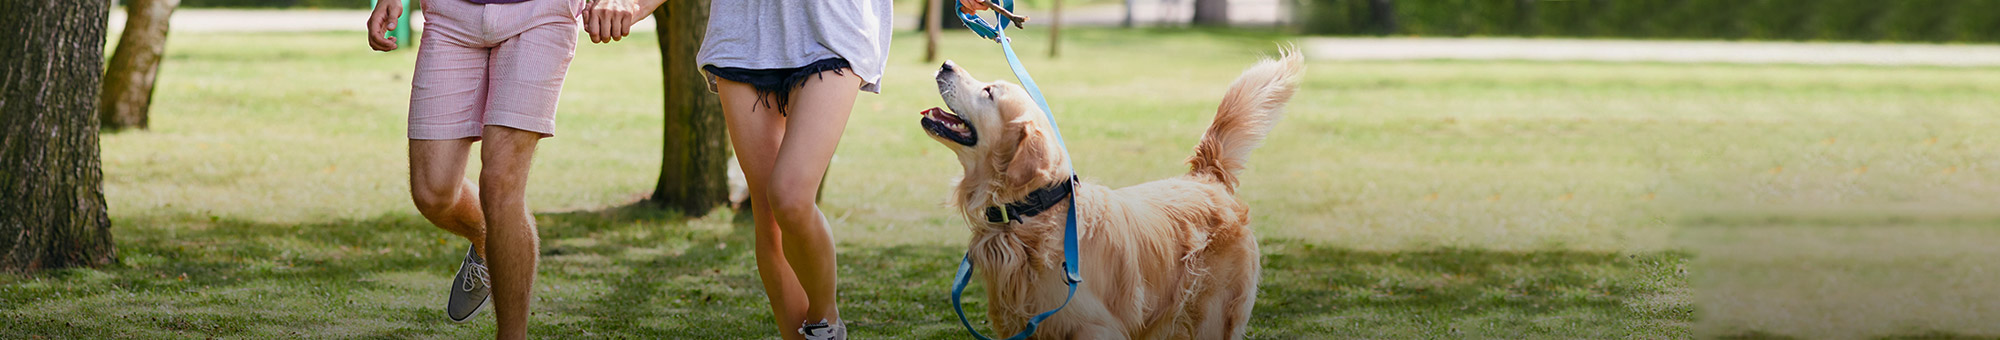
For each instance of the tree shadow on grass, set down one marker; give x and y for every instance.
(706, 286)
(636, 272)
(188, 275)
(196, 275)
(1324, 292)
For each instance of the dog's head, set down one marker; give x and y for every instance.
(1000, 135)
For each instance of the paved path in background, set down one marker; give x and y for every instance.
(258, 20)
(1272, 12)
(1243, 12)
(1650, 51)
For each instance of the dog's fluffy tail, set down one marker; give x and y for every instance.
(1254, 104)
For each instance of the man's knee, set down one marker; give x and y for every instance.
(499, 187)
(507, 155)
(433, 197)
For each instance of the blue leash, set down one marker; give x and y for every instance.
(1071, 276)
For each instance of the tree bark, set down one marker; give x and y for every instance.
(1055, 31)
(1382, 16)
(947, 14)
(932, 17)
(1128, 15)
(694, 171)
(1211, 12)
(52, 211)
(128, 84)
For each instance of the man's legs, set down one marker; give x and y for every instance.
(755, 132)
(442, 194)
(503, 176)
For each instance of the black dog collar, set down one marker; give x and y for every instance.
(1038, 201)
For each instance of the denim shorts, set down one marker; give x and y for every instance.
(774, 86)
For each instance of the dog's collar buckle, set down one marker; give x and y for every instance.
(996, 214)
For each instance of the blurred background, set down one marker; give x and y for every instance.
(1816, 169)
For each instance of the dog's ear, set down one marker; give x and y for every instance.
(1036, 158)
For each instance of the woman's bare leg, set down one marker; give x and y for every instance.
(818, 116)
(756, 132)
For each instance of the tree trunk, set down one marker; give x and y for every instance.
(1128, 14)
(128, 84)
(1382, 16)
(932, 15)
(51, 187)
(694, 170)
(1211, 12)
(1055, 31)
(1524, 18)
(947, 15)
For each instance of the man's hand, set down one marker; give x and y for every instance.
(611, 20)
(382, 21)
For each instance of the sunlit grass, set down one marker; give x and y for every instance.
(1374, 155)
(1398, 199)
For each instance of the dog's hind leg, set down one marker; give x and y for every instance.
(1225, 311)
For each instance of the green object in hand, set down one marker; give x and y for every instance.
(402, 31)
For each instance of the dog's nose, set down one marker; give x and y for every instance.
(948, 66)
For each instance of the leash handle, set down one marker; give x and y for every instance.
(980, 26)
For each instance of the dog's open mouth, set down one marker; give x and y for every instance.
(950, 126)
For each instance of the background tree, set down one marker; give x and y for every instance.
(1211, 12)
(1382, 16)
(947, 13)
(694, 172)
(933, 14)
(1127, 23)
(51, 187)
(128, 84)
(1055, 31)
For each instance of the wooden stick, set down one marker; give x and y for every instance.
(1004, 12)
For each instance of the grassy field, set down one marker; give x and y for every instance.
(1416, 199)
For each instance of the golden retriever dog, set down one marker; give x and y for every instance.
(1168, 259)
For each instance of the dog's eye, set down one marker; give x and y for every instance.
(989, 92)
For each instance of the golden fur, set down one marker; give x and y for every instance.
(1169, 259)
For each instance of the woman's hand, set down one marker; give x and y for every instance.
(972, 6)
(383, 20)
(611, 20)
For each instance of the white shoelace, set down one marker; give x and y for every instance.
(478, 278)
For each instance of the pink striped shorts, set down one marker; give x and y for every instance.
(491, 64)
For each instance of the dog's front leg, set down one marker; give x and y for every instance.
(1098, 332)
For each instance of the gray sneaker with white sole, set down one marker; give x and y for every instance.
(470, 289)
(824, 330)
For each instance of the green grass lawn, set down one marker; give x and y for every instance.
(1417, 199)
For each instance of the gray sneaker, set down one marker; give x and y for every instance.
(469, 289)
(824, 330)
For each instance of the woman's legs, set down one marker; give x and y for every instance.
(818, 115)
(784, 158)
(756, 132)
